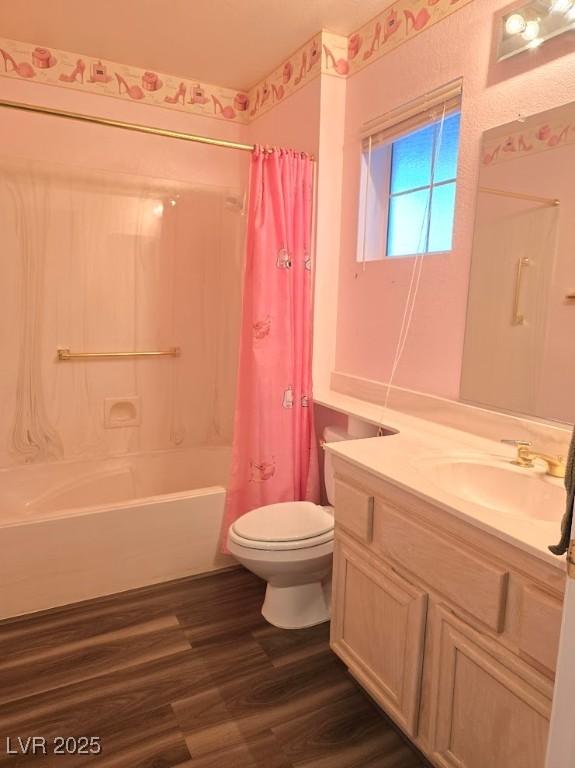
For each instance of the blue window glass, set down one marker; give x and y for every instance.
(447, 150)
(422, 189)
(413, 207)
(411, 161)
(442, 213)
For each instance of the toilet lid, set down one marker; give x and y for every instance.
(290, 521)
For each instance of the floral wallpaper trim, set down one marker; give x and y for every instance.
(298, 70)
(530, 140)
(107, 78)
(334, 55)
(398, 23)
(326, 53)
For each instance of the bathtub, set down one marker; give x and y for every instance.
(74, 530)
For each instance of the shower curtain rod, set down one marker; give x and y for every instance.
(129, 126)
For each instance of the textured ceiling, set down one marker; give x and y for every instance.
(233, 43)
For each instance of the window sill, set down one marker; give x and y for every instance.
(406, 256)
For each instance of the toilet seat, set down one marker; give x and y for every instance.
(286, 526)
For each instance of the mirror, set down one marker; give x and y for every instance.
(519, 353)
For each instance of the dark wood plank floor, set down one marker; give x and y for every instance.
(186, 675)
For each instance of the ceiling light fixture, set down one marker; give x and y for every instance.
(531, 31)
(515, 24)
(561, 6)
(532, 24)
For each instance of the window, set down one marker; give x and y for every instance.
(407, 200)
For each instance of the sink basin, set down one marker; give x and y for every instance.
(498, 485)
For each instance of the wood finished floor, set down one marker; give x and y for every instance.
(188, 675)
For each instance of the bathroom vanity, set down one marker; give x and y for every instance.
(447, 603)
(446, 611)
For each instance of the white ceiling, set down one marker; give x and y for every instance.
(233, 43)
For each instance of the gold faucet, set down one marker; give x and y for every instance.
(525, 458)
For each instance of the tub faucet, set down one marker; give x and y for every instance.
(525, 458)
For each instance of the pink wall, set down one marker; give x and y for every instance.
(99, 271)
(292, 123)
(371, 299)
(57, 140)
(328, 223)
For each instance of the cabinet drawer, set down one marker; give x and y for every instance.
(476, 585)
(540, 627)
(354, 511)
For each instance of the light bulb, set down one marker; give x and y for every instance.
(531, 31)
(173, 202)
(515, 24)
(158, 209)
(561, 6)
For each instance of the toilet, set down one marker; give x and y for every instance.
(290, 545)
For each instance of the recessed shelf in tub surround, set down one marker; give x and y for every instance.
(468, 476)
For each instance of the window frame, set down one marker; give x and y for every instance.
(381, 133)
(429, 187)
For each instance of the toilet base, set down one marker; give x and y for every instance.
(297, 607)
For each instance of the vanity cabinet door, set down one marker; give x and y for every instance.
(488, 707)
(378, 630)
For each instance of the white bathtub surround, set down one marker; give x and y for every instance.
(72, 531)
(32, 435)
(102, 261)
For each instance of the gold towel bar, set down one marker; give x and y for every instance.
(67, 354)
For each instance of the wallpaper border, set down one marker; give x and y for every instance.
(326, 53)
(26, 61)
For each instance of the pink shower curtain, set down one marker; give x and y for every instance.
(274, 455)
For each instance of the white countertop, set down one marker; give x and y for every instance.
(403, 460)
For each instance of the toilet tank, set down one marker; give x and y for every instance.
(331, 435)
